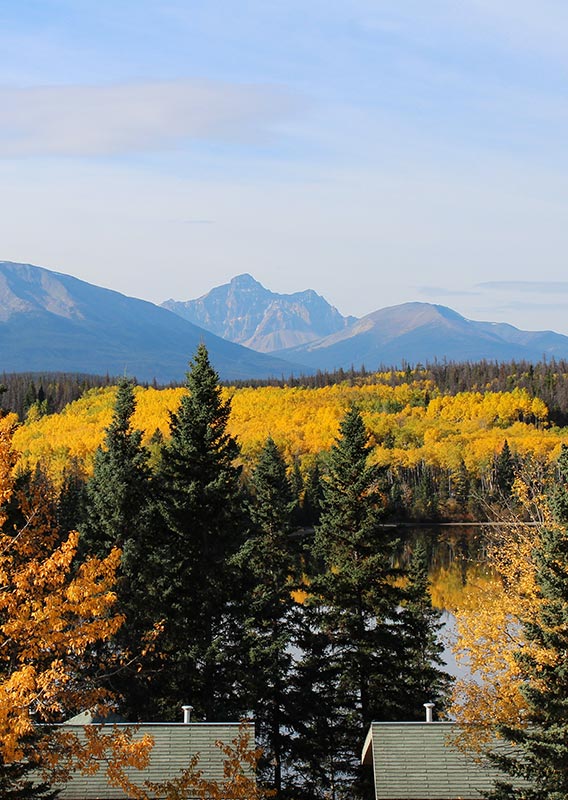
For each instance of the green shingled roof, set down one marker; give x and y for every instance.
(174, 745)
(416, 761)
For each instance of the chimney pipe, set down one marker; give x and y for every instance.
(428, 707)
(187, 714)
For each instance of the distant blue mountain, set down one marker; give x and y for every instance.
(54, 322)
(423, 332)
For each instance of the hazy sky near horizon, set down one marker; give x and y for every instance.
(377, 151)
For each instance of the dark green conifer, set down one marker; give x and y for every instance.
(201, 506)
(358, 597)
(268, 557)
(72, 497)
(298, 490)
(559, 494)
(118, 491)
(504, 471)
(322, 745)
(119, 512)
(425, 501)
(313, 496)
(422, 678)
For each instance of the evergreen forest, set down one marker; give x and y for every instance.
(262, 568)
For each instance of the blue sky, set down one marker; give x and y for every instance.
(377, 152)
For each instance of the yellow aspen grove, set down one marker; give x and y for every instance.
(409, 424)
(490, 624)
(50, 617)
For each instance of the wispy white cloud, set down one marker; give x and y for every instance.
(538, 287)
(123, 118)
(440, 291)
(545, 309)
(514, 24)
(524, 24)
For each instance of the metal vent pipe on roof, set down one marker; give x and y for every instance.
(187, 714)
(428, 707)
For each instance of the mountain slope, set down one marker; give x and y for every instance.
(51, 321)
(244, 311)
(420, 332)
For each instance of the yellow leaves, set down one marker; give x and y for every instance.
(239, 783)
(408, 424)
(49, 616)
(117, 750)
(110, 748)
(44, 607)
(489, 622)
(7, 460)
(490, 408)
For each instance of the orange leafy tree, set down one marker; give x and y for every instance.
(492, 618)
(51, 615)
(239, 783)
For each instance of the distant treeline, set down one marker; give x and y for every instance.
(50, 392)
(545, 379)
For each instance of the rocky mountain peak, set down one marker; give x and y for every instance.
(243, 311)
(245, 281)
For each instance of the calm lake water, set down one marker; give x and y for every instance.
(456, 551)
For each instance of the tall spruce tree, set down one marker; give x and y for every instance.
(268, 557)
(422, 679)
(503, 471)
(119, 511)
(201, 505)
(358, 600)
(541, 741)
(321, 747)
(72, 496)
(313, 496)
(117, 493)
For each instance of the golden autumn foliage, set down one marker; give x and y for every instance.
(490, 620)
(120, 750)
(108, 747)
(408, 424)
(50, 615)
(488, 635)
(239, 783)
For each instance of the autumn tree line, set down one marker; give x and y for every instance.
(546, 379)
(48, 393)
(445, 456)
(223, 601)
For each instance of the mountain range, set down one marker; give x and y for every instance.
(304, 328)
(55, 322)
(243, 311)
(424, 332)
